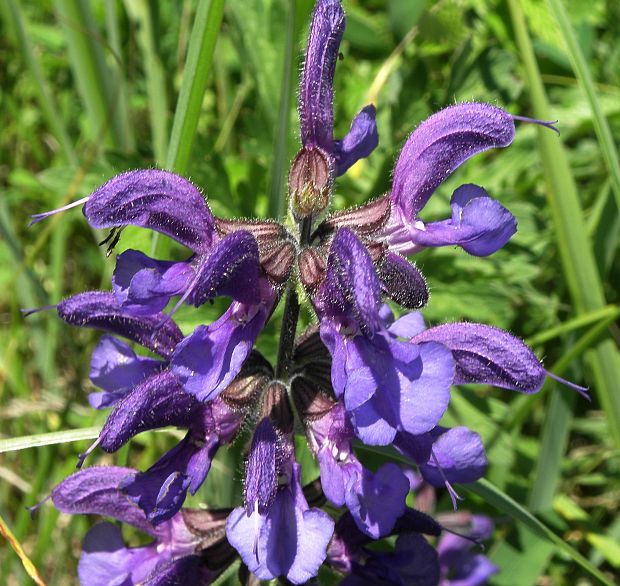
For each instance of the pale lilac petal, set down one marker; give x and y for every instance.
(100, 310)
(488, 355)
(143, 285)
(440, 144)
(316, 88)
(480, 225)
(154, 199)
(116, 368)
(359, 142)
(105, 561)
(460, 455)
(408, 326)
(377, 500)
(95, 491)
(208, 360)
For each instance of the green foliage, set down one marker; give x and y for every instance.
(208, 88)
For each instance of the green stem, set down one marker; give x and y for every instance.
(287, 333)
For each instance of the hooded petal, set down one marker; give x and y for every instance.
(116, 368)
(480, 225)
(316, 93)
(156, 402)
(100, 310)
(488, 355)
(261, 476)
(458, 457)
(359, 142)
(440, 144)
(154, 199)
(94, 491)
(351, 285)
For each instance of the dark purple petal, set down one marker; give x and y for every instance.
(189, 570)
(488, 355)
(161, 490)
(116, 368)
(377, 500)
(105, 560)
(232, 269)
(261, 475)
(480, 225)
(156, 402)
(154, 199)
(402, 281)
(458, 456)
(316, 94)
(289, 540)
(359, 142)
(440, 144)
(208, 360)
(351, 285)
(417, 447)
(94, 491)
(100, 310)
(144, 286)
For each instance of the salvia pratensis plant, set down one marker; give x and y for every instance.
(356, 376)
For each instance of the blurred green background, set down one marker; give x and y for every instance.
(90, 89)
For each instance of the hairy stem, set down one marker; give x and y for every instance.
(287, 333)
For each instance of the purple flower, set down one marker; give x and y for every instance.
(479, 224)
(172, 558)
(387, 385)
(277, 533)
(459, 565)
(375, 501)
(316, 95)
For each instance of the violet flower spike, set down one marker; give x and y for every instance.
(316, 94)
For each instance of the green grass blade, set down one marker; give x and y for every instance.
(578, 262)
(96, 84)
(141, 12)
(277, 189)
(47, 439)
(196, 74)
(503, 502)
(18, 24)
(553, 442)
(582, 72)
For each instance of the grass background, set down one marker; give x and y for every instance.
(207, 88)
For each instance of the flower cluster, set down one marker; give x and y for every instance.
(357, 376)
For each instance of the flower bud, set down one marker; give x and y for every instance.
(309, 182)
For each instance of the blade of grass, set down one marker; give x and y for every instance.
(582, 72)
(503, 502)
(142, 13)
(96, 83)
(18, 24)
(609, 313)
(277, 188)
(578, 263)
(196, 74)
(19, 550)
(202, 41)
